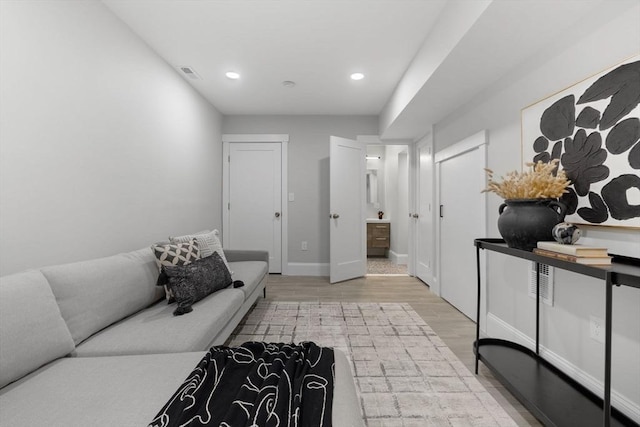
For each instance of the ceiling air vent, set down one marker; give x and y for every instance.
(189, 72)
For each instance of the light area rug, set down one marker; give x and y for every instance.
(404, 373)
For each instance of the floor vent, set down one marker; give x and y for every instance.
(546, 283)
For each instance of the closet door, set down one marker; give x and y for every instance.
(255, 200)
(461, 179)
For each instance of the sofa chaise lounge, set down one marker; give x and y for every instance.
(94, 343)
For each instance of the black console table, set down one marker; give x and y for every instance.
(551, 395)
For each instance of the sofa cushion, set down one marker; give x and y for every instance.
(156, 330)
(94, 294)
(194, 281)
(146, 260)
(250, 272)
(208, 242)
(346, 404)
(32, 330)
(123, 391)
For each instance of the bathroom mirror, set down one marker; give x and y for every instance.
(372, 187)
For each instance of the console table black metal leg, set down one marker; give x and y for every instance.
(607, 352)
(537, 308)
(477, 343)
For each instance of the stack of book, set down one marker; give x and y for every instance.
(580, 254)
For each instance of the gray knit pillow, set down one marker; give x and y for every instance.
(192, 282)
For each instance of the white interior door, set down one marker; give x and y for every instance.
(425, 231)
(348, 253)
(255, 200)
(462, 219)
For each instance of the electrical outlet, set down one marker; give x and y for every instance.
(304, 246)
(596, 328)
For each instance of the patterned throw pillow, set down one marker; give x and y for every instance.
(208, 242)
(192, 282)
(173, 254)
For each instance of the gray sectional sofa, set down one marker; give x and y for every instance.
(94, 343)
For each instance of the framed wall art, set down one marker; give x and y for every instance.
(593, 128)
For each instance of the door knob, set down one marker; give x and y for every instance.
(335, 216)
(416, 216)
(277, 214)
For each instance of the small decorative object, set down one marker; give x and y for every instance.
(380, 214)
(531, 208)
(566, 233)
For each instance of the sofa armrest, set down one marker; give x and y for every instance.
(235, 255)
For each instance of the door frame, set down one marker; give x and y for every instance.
(480, 141)
(283, 139)
(411, 154)
(425, 141)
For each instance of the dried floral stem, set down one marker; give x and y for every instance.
(537, 183)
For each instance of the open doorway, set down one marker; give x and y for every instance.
(387, 209)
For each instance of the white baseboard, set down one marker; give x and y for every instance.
(501, 329)
(307, 269)
(396, 258)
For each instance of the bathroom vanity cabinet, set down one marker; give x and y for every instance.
(378, 237)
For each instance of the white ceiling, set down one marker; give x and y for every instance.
(508, 34)
(315, 43)
(319, 43)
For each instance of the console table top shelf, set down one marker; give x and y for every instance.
(623, 270)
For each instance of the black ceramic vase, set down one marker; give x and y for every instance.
(524, 222)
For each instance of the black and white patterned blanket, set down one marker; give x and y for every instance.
(256, 384)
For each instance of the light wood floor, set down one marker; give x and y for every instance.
(455, 329)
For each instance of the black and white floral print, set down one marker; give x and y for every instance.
(595, 133)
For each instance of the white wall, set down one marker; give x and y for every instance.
(308, 172)
(602, 39)
(103, 146)
(397, 196)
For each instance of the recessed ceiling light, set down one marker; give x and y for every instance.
(288, 83)
(232, 75)
(357, 76)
